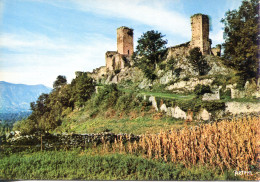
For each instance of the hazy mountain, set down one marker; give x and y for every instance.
(17, 97)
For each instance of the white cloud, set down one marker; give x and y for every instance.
(25, 40)
(35, 58)
(153, 13)
(217, 37)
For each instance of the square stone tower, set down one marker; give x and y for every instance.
(125, 41)
(200, 33)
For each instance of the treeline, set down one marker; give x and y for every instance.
(49, 109)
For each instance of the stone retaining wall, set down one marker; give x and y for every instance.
(242, 107)
(73, 140)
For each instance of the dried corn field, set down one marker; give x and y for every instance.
(227, 144)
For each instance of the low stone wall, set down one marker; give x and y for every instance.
(242, 107)
(181, 50)
(65, 140)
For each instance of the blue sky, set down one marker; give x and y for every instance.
(41, 39)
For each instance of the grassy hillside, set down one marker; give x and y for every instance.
(79, 122)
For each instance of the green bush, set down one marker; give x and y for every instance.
(198, 61)
(202, 89)
(25, 126)
(170, 64)
(178, 72)
(162, 66)
(225, 94)
(187, 78)
(149, 74)
(106, 97)
(124, 102)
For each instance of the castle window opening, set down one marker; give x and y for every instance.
(128, 52)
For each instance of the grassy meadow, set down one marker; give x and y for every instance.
(86, 165)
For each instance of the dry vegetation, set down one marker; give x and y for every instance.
(227, 144)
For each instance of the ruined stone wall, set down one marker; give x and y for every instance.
(200, 33)
(216, 51)
(65, 140)
(242, 107)
(119, 61)
(116, 61)
(125, 42)
(179, 50)
(110, 60)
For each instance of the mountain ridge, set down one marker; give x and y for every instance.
(17, 97)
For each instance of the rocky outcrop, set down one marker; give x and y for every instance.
(216, 67)
(204, 115)
(145, 84)
(212, 96)
(188, 85)
(154, 103)
(163, 108)
(167, 77)
(178, 113)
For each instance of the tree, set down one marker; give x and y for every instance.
(82, 88)
(60, 81)
(241, 38)
(150, 46)
(198, 61)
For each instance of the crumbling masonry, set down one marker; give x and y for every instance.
(200, 38)
(125, 48)
(119, 59)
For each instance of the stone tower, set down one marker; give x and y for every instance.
(125, 41)
(200, 33)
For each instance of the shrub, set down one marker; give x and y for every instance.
(171, 63)
(225, 94)
(198, 61)
(150, 74)
(178, 72)
(26, 126)
(162, 66)
(202, 89)
(187, 78)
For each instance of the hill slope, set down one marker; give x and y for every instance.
(17, 97)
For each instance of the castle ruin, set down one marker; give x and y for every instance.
(125, 47)
(200, 33)
(199, 38)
